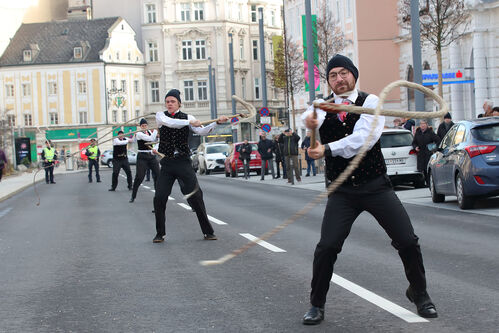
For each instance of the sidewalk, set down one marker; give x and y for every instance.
(11, 185)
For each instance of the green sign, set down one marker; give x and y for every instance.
(317, 78)
(71, 134)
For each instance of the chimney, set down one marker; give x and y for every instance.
(79, 9)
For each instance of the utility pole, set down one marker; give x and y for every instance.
(232, 82)
(262, 57)
(210, 83)
(416, 54)
(310, 51)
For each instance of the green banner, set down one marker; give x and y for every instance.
(71, 134)
(125, 129)
(317, 79)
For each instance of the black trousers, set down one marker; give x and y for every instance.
(93, 163)
(118, 164)
(145, 161)
(378, 198)
(283, 164)
(181, 169)
(49, 172)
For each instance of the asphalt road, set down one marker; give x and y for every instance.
(84, 261)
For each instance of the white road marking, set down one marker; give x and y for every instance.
(383, 303)
(171, 198)
(183, 205)
(263, 243)
(216, 221)
(5, 212)
(153, 191)
(147, 187)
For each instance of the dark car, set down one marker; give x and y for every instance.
(233, 165)
(466, 163)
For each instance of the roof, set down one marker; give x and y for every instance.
(54, 42)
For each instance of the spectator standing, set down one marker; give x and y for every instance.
(245, 157)
(444, 127)
(424, 136)
(289, 141)
(3, 162)
(310, 161)
(279, 158)
(265, 150)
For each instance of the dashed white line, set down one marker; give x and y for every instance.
(216, 221)
(183, 205)
(383, 303)
(5, 211)
(171, 198)
(147, 187)
(263, 243)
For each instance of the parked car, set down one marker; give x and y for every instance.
(233, 165)
(194, 159)
(400, 157)
(466, 163)
(211, 157)
(106, 158)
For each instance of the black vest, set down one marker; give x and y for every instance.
(332, 129)
(119, 151)
(173, 140)
(141, 144)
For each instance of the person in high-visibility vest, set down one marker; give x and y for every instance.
(93, 154)
(49, 157)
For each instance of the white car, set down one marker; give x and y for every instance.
(211, 157)
(400, 157)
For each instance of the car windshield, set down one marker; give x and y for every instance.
(391, 140)
(217, 149)
(253, 146)
(487, 133)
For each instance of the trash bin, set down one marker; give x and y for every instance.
(69, 163)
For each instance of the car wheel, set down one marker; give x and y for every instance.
(435, 197)
(110, 163)
(463, 201)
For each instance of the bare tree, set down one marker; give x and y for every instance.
(294, 71)
(330, 38)
(442, 22)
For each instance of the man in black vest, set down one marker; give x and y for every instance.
(146, 157)
(367, 189)
(120, 160)
(174, 128)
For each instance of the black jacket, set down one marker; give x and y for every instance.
(263, 148)
(290, 144)
(277, 149)
(304, 145)
(421, 140)
(246, 154)
(442, 130)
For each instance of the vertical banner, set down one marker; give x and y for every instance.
(279, 66)
(317, 78)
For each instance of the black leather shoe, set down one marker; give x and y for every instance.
(112, 189)
(314, 316)
(425, 306)
(52, 182)
(129, 188)
(131, 200)
(210, 237)
(98, 181)
(158, 239)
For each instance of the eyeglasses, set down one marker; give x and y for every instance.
(343, 73)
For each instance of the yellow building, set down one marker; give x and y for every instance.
(67, 80)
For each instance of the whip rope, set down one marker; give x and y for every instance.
(354, 163)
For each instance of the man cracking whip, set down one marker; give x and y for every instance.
(174, 128)
(367, 189)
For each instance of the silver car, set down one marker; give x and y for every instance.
(106, 158)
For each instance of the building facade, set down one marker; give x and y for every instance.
(69, 80)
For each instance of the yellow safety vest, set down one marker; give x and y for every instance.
(49, 154)
(93, 152)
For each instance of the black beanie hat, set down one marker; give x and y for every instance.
(175, 93)
(341, 61)
(447, 116)
(142, 121)
(120, 132)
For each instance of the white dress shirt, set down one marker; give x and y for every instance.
(146, 137)
(349, 146)
(164, 120)
(118, 142)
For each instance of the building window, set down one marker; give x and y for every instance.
(202, 90)
(123, 85)
(54, 118)
(137, 113)
(253, 13)
(78, 52)
(136, 86)
(82, 87)
(118, 55)
(243, 87)
(185, 12)
(27, 55)
(257, 88)
(11, 120)
(241, 49)
(9, 90)
(200, 49)
(26, 87)
(28, 121)
(189, 90)
(186, 50)
(83, 117)
(198, 11)
(113, 85)
(115, 116)
(349, 8)
(272, 18)
(155, 91)
(129, 56)
(153, 51)
(255, 50)
(52, 88)
(124, 116)
(151, 13)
